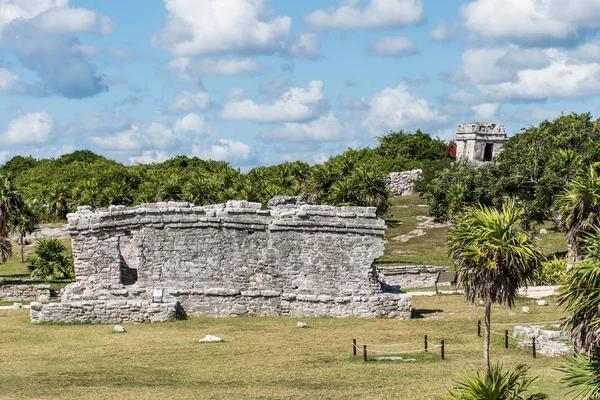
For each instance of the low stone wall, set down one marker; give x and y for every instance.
(106, 312)
(410, 276)
(25, 292)
(402, 183)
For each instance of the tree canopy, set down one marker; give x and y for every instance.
(355, 177)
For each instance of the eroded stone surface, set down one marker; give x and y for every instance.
(25, 292)
(479, 142)
(411, 276)
(402, 183)
(141, 263)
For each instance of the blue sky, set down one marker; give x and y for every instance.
(258, 82)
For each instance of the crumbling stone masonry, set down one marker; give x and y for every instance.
(478, 143)
(402, 183)
(155, 261)
(25, 292)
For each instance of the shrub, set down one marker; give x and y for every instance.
(499, 384)
(553, 272)
(50, 259)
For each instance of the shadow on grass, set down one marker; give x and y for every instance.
(421, 312)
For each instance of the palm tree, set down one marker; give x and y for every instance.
(580, 299)
(582, 376)
(578, 209)
(498, 384)
(50, 259)
(319, 182)
(24, 223)
(59, 199)
(10, 204)
(494, 256)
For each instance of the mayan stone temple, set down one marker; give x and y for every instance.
(155, 262)
(479, 142)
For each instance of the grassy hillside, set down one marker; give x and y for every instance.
(413, 239)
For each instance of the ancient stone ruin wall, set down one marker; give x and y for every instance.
(411, 276)
(25, 292)
(402, 183)
(150, 262)
(474, 139)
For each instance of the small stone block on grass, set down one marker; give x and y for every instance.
(541, 302)
(17, 306)
(211, 338)
(302, 325)
(525, 309)
(119, 328)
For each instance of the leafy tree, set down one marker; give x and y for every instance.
(408, 151)
(493, 256)
(453, 189)
(50, 259)
(497, 384)
(535, 166)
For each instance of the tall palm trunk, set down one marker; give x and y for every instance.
(486, 336)
(22, 245)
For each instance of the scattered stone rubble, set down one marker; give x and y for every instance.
(155, 262)
(551, 343)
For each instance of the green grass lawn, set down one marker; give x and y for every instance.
(261, 358)
(407, 212)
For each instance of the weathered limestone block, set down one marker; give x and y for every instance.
(402, 183)
(136, 264)
(24, 292)
(410, 276)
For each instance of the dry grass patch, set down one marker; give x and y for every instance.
(260, 358)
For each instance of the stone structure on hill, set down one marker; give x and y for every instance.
(155, 262)
(402, 183)
(479, 142)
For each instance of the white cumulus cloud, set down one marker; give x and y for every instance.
(376, 14)
(224, 26)
(225, 150)
(396, 108)
(486, 112)
(30, 129)
(192, 123)
(531, 20)
(305, 46)
(325, 128)
(296, 104)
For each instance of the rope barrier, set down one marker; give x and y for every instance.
(524, 323)
(387, 345)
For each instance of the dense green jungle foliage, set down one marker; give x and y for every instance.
(534, 167)
(55, 187)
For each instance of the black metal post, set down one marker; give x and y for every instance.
(533, 342)
(479, 328)
(364, 352)
(506, 339)
(354, 347)
(425, 343)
